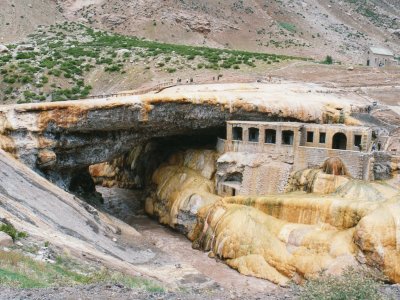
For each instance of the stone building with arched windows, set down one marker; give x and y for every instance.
(265, 153)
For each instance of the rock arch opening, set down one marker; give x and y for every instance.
(133, 171)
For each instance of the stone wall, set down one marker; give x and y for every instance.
(261, 174)
(376, 60)
(356, 162)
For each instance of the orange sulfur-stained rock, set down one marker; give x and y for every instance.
(46, 158)
(339, 223)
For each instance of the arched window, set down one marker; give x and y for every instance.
(287, 137)
(254, 134)
(237, 133)
(270, 136)
(339, 141)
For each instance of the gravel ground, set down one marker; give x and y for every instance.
(116, 291)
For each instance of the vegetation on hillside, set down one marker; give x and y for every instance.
(354, 284)
(54, 63)
(369, 10)
(12, 232)
(22, 271)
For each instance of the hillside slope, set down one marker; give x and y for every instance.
(309, 28)
(19, 18)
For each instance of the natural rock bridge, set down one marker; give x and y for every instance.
(61, 138)
(283, 237)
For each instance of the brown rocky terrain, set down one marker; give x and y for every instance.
(313, 28)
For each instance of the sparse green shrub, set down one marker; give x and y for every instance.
(48, 63)
(22, 271)
(113, 68)
(26, 79)
(5, 58)
(11, 79)
(44, 79)
(26, 55)
(81, 52)
(12, 232)
(354, 284)
(328, 60)
(8, 90)
(288, 26)
(55, 72)
(103, 60)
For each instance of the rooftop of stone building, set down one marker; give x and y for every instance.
(381, 51)
(299, 124)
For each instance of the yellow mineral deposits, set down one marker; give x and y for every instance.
(326, 222)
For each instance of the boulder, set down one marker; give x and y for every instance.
(196, 24)
(113, 20)
(395, 32)
(25, 47)
(3, 49)
(5, 239)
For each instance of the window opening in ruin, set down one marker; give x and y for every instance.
(357, 140)
(237, 133)
(270, 136)
(234, 177)
(310, 136)
(254, 134)
(339, 141)
(287, 137)
(232, 182)
(322, 137)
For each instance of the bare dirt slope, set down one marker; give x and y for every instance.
(19, 18)
(309, 28)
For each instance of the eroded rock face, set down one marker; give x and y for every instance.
(184, 185)
(284, 237)
(59, 138)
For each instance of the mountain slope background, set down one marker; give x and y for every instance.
(311, 28)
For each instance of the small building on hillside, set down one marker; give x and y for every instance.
(380, 57)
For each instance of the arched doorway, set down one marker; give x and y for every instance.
(339, 141)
